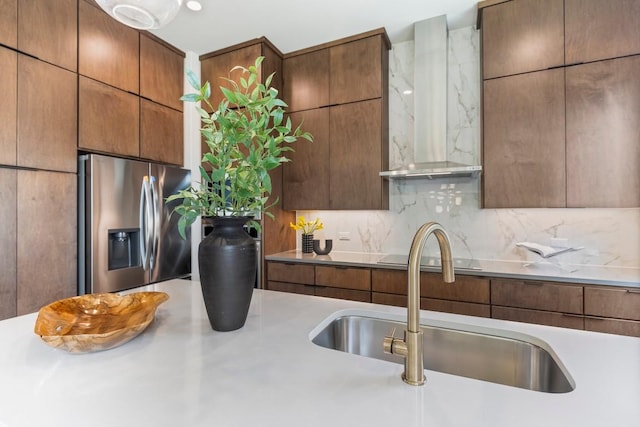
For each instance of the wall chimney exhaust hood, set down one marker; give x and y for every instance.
(430, 107)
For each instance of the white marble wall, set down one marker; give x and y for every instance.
(609, 236)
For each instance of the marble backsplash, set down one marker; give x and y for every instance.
(607, 236)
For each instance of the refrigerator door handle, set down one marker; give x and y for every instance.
(155, 204)
(146, 221)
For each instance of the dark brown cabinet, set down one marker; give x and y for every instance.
(108, 51)
(596, 29)
(46, 261)
(8, 105)
(161, 133)
(120, 121)
(306, 80)
(521, 36)
(47, 116)
(8, 242)
(540, 317)
(524, 141)
(48, 30)
(161, 72)
(290, 277)
(602, 133)
(9, 23)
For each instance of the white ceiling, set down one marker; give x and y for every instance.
(296, 24)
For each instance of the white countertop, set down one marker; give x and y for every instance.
(179, 372)
(546, 270)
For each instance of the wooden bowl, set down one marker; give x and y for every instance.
(96, 322)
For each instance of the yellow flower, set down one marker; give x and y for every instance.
(307, 227)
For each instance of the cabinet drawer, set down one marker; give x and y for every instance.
(539, 317)
(389, 281)
(538, 295)
(293, 288)
(344, 277)
(619, 303)
(457, 307)
(465, 288)
(350, 294)
(612, 326)
(290, 272)
(389, 299)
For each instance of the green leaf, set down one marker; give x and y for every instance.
(193, 80)
(190, 97)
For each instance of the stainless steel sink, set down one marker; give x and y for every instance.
(498, 359)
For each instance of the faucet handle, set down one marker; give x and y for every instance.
(392, 345)
(387, 343)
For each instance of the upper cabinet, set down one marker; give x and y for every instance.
(339, 92)
(561, 115)
(48, 30)
(161, 72)
(597, 29)
(522, 35)
(108, 50)
(9, 23)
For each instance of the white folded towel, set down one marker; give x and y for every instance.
(543, 250)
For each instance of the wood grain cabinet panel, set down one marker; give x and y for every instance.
(306, 178)
(521, 36)
(456, 307)
(539, 317)
(48, 30)
(215, 68)
(294, 288)
(524, 141)
(612, 326)
(46, 260)
(357, 70)
(465, 288)
(344, 277)
(115, 129)
(538, 295)
(603, 134)
(306, 80)
(291, 272)
(349, 294)
(357, 156)
(8, 242)
(161, 72)
(47, 116)
(390, 281)
(389, 299)
(108, 51)
(597, 29)
(8, 106)
(9, 23)
(612, 302)
(161, 133)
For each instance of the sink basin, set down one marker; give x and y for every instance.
(496, 356)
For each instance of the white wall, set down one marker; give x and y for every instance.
(609, 236)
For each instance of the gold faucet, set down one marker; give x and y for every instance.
(411, 346)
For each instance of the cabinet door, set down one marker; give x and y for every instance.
(291, 272)
(108, 119)
(293, 288)
(306, 80)
(356, 70)
(456, 307)
(357, 156)
(612, 302)
(524, 141)
(161, 73)
(603, 122)
(596, 29)
(306, 178)
(9, 23)
(349, 294)
(612, 326)
(343, 277)
(537, 295)
(108, 50)
(522, 35)
(548, 318)
(48, 30)
(8, 105)
(47, 244)
(390, 281)
(47, 116)
(215, 69)
(161, 133)
(8, 211)
(465, 288)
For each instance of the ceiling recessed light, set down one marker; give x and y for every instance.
(194, 5)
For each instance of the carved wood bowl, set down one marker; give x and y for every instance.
(96, 322)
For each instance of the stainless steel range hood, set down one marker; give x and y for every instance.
(430, 107)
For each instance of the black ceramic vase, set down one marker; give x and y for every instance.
(227, 259)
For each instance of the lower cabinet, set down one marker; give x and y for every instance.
(612, 310)
(549, 318)
(8, 215)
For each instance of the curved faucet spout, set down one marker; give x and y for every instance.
(411, 347)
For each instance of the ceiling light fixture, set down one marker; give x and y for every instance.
(142, 14)
(194, 5)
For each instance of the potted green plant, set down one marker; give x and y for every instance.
(247, 135)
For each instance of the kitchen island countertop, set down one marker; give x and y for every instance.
(179, 372)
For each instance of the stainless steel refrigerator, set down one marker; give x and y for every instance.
(126, 236)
